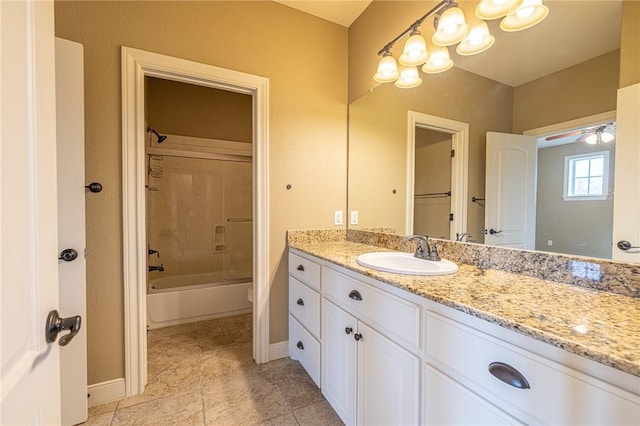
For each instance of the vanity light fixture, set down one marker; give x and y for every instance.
(415, 50)
(452, 28)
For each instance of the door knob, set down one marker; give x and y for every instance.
(94, 187)
(626, 245)
(55, 325)
(68, 255)
(493, 231)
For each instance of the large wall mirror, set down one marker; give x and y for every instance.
(567, 87)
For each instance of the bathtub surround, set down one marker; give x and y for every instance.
(598, 324)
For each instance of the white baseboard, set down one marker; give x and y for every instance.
(279, 350)
(102, 393)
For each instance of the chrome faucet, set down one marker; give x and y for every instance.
(156, 268)
(423, 249)
(460, 236)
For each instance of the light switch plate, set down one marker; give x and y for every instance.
(354, 217)
(337, 217)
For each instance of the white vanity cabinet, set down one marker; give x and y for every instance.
(304, 314)
(501, 377)
(367, 377)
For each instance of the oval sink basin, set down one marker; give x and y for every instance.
(405, 263)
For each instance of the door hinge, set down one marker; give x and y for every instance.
(451, 217)
(453, 153)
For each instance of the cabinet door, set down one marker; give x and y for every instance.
(446, 402)
(388, 381)
(339, 360)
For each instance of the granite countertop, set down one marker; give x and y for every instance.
(599, 325)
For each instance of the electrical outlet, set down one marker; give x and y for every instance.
(549, 243)
(337, 217)
(354, 217)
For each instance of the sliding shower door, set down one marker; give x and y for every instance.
(199, 214)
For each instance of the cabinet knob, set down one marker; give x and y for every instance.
(348, 330)
(357, 336)
(509, 375)
(300, 345)
(355, 295)
(300, 268)
(300, 302)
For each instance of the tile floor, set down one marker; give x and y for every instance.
(203, 374)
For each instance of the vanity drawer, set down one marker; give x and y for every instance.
(557, 394)
(304, 305)
(398, 318)
(304, 270)
(304, 348)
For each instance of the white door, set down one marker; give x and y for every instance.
(71, 224)
(388, 381)
(30, 367)
(626, 203)
(510, 190)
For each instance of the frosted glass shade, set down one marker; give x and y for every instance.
(387, 69)
(439, 61)
(492, 9)
(409, 77)
(478, 40)
(528, 14)
(452, 28)
(415, 51)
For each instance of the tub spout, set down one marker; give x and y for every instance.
(156, 268)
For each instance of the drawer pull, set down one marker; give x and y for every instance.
(300, 345)
(355, 295)
(357, 336)
(300, 268)
(348, 330)
(300, 302)
(509, 375)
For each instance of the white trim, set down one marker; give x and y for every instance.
(459, 132)
(569, 176)
(109, 391)
(136, 64)
(279, 350)
(567, 126)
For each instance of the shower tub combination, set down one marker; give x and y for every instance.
(197, 297)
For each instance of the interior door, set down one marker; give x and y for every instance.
(30, 373)
(71, 224)
(510, 190)
(626, 203)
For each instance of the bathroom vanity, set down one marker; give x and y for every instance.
(480, 346)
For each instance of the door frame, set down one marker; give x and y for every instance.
(136, 65)
(459, 132)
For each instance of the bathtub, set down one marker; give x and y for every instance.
(198, 297)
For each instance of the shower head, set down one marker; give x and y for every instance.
(161, 138)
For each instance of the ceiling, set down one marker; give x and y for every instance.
(574, 31)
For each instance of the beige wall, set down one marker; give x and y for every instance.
(575, 227)
(630, 44)
(189, 110)
(579, 91)
(308, 110)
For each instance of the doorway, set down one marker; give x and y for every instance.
(136, 65)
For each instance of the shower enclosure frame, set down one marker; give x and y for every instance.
(136, 65)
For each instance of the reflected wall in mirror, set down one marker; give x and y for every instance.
(378, 120)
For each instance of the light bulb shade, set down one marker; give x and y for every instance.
(493, 9)
(409, 77)
(477, 41)
(415, 51)
(452, 28)
(528, 14)
(607, 137)
(592, 139)
(439, 61)
(387, 69)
